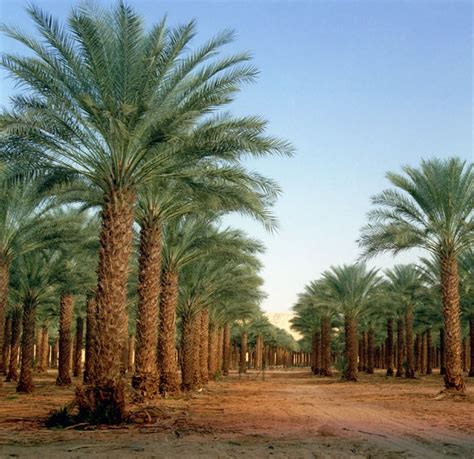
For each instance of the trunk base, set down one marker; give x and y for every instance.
(146, 386)
(169, 386)
(455, 386)
(63, 381)
(24, 388)
(102, 404)
(389, 372)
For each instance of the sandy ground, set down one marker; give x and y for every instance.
(288, 414)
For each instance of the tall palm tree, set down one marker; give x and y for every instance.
(118, 106)
(431, 208)
(351, 289)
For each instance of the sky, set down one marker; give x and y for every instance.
(359, 88)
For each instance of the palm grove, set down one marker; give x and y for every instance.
(118, 164)
(413, 317)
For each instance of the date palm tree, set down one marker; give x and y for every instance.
(405, 287)
(431, 207)
(119, 105)
(350, 288)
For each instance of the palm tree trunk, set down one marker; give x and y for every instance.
(77, 359)
(43, 353)
(220, 350)
(429, 352)
(399, 348)
(226, 365)
(7, 337)
(169, 377)
(243, 352)
(365, 346)
(212, 353)
(316, 344)
(351, 349)
(103, 400)
(196, 351)
(25, 383)
(146, 378)
(418, 345)
(91, 331)
(389, 348)
(410, 356)
(442, 352)
(54, 353)
(65, 323)
(204, 346)
(190, 346)
(471, 339)
(370, 351)
(259, 353)
(453, 379)
(12, 374)
(326, 346)
(4, 281)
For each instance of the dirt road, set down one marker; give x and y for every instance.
(289, 414)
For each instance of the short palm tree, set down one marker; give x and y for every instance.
(405, 288)
(350, 288)
(431, 208)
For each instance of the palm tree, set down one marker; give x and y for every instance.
(405, 287)
(31, 287)
(432, 208)
(119, 106)
(350, 288)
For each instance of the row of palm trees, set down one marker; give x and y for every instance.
(432, 208)
(120, 131)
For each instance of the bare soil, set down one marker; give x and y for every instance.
(287, 414)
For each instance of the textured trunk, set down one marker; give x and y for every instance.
(204, 346)
(213, 360)
(103, 399)
(7, 337)
(37, 348)
(12, 374)
(190, 346)
(453, 379)
(442, 352)
(399, 348)
(243, 352)
(389, 348)
(429, 352)
(169, 377)
(77, 359)
(65, 323)
(4, 281)
(91, 347)
(370, 351)
(410, 363)
(226, 365)
(146, 378)
(326, 347)
(43, 353)
(25, 383)
(471, 339)
(350, 329)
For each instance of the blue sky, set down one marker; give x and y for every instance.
(359, 88)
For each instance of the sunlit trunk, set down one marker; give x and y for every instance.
(103, 400)
(146, 377)
(169, 377)
(453, 378)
